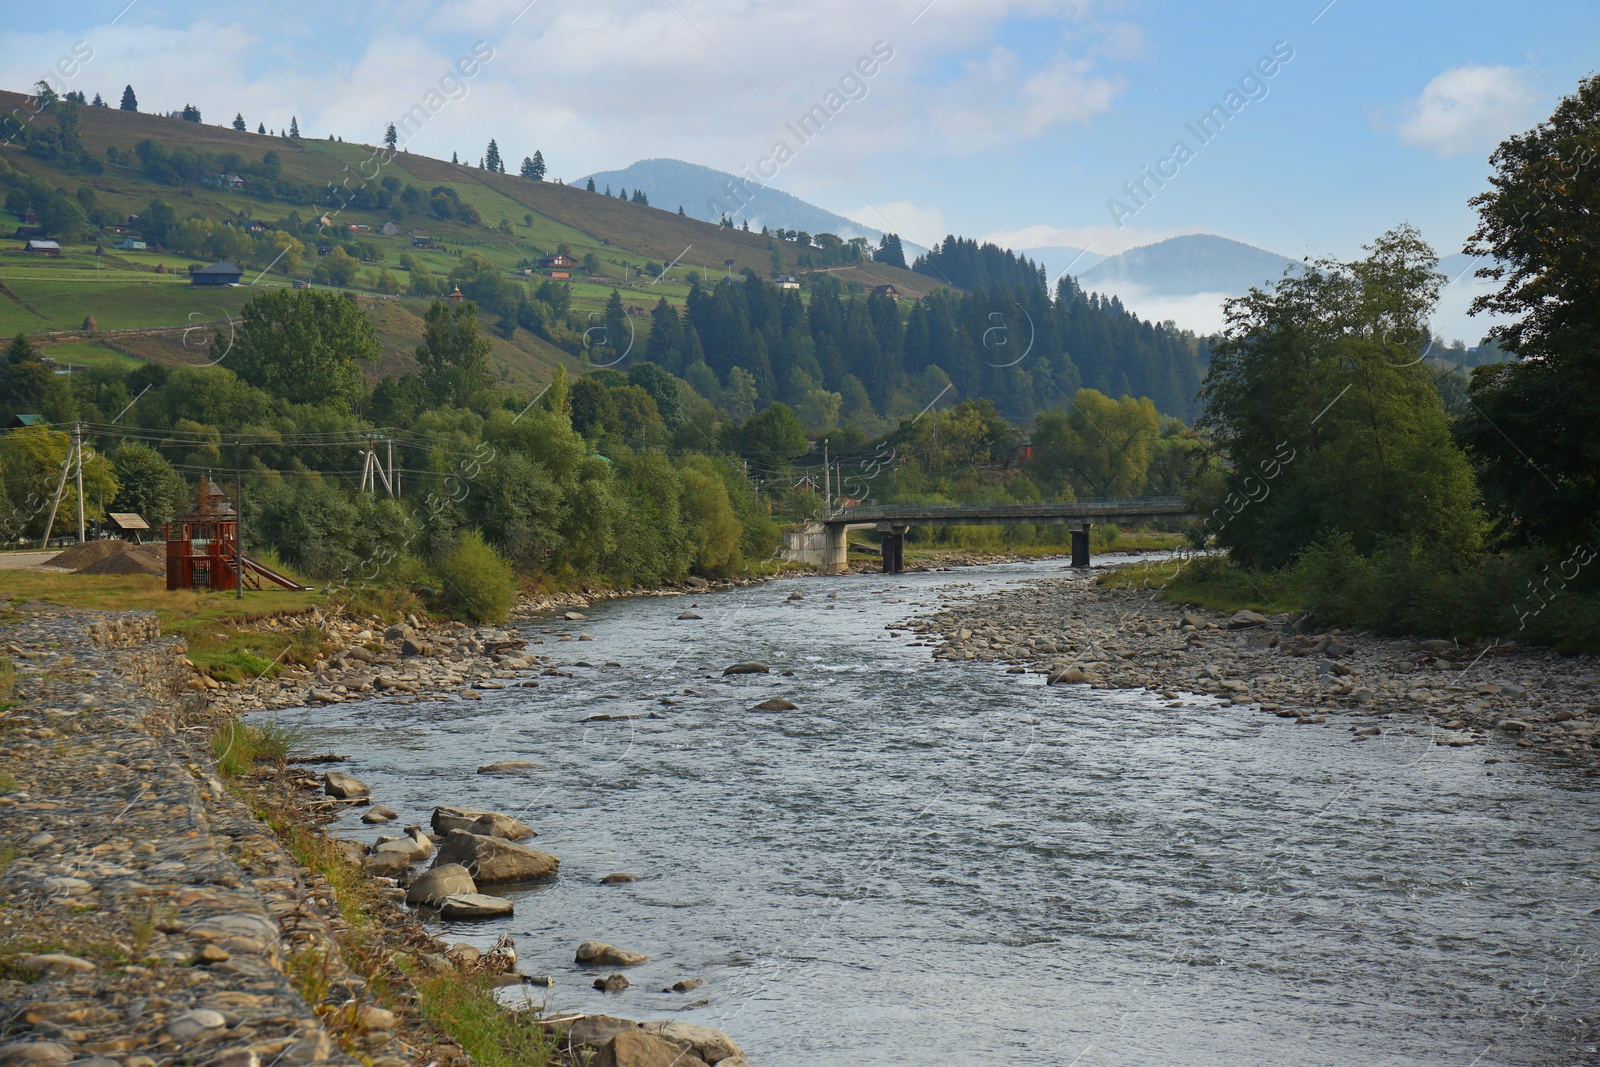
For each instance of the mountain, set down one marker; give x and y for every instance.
(708, 194)
(1187, 265)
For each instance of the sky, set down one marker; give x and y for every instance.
(1017, 121)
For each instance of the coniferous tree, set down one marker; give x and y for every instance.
(390, 137)
(589, 185)
(129, 101)
(538, 166)
(238, 121)
(261, 127)
(97, 101)
(455, 159)
(889, 252)
(294, 128)
(191, 113)
(491, 159)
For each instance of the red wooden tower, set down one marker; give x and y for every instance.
(202, 546)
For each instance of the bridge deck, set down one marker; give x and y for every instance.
(1094, 512)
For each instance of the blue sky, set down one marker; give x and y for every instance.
(1017, 120)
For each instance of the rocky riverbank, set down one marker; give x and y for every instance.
(1079, 632)
(153, 913)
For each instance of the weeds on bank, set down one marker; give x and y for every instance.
(239, 747)
(464, 1006)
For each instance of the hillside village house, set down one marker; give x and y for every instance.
(886, 290)
(224, 273)
(787, 281)
(130, 244)
(41, 247)
(557, 260)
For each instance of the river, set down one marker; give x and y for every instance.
(938, 863)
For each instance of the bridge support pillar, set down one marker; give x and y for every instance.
(1080, 546)
(894, 547)
(835, 549)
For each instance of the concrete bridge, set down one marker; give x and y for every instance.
(825, 542)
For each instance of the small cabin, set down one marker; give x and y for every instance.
(41, 247)
(129, 524)
(224, 273)
(203, 546)
(886, 290)
(130, 244)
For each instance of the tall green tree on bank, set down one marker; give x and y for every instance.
(305, 347)
(130, 102)
(1534, 425)
(453, 355)
(1318, 398)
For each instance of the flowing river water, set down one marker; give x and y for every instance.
(938, 863)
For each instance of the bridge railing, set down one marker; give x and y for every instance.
(1161, 505)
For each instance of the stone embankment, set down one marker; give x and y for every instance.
(147, 917)
(1078, 632)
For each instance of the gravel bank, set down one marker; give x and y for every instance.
(1080, 633)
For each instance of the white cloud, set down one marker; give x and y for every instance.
(1104, 240)
(915, 222)
(1468, 109)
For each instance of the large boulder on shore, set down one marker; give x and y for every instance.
(747, 668)
(494, 860)
(439, 882)
(486, 823)
(342, 786)
(474, 906)
(709, 1044)
(635, 1048)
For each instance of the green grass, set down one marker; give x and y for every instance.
(89, 354)
(464, 1006)
(238, 747)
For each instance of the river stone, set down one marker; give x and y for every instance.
(596, 1031)
(574, 616)
(509, 766)
(386, 864)
(474, 906)
(711, 1045)
(633, 1048)
(1068, 676)
(598, 953)
(747, 668)
(414, 844)
(34, 1052)
(1512, 726)
(234, 924)
(376, 1018)
(486, 823)
(342, 786)
(1244, 620)
(439, 882)
(379, 814)
(614, 983)
(55, 963)
(494, 860)
(689, 615)
(776, 704)
(618, 878)
(684, 985)
(192, 1024)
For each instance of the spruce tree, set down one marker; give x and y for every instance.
(261, 127)
(294, 128)
(238, 121)
(589, 185)
(538, 165)
(491, 159)
(129, 101)
(97, 101)
(391, 136)
(454, 159)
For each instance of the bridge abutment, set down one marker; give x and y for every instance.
(1080, 546)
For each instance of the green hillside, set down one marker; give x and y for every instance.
(102, 180)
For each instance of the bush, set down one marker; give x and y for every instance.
(478, 585)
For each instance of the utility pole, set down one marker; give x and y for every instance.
(50, 523)
(77, 448)
(238, 525)
(827, 479)
(390, 442)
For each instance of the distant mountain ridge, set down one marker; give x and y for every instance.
(1187, 265)
(708, 194)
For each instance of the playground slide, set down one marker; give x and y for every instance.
(272, 575)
